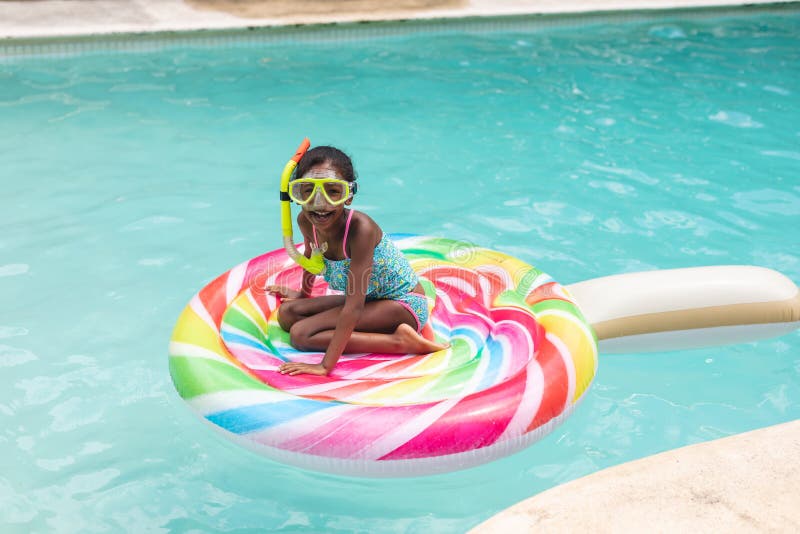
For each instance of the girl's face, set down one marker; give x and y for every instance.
(319, 211)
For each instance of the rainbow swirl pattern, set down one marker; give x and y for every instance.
(521, 356)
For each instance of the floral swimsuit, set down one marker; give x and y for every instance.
(392, 277)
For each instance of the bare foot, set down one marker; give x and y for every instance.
(415, 342)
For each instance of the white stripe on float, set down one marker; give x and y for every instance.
(577, 322)
(406, 431)
(365, 395)
(233, 285)
(503, 274)
(361, 373)
(227, 327)
(450, 307)
(472, 384)
(506, 347)
(321, 388)
(415, 397)
(529, 404)
(259, 311)
(199, 308)
(177, 349)
(458, 283)
(219, 401)
(302, 426)
(439, 368)
(539, 280)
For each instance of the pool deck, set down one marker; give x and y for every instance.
(748, 482)
(743, 483)
(61, 18)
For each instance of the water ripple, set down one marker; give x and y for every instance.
(76, 412)
(736, 119)
(15, 506)
(789, 154)
(12, 331)
(149, 223)
(767, 202)
(13, 356)
(14, 269)
(633, 174)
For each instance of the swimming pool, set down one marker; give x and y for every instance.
(131, 178)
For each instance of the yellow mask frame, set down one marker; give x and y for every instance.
(342, 188)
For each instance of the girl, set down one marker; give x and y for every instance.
(383, 307)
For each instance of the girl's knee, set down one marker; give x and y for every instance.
(287, 315)
(299, 336)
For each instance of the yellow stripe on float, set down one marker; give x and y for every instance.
(578, 338)
(193, 330)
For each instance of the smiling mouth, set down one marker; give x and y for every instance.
(321, 216)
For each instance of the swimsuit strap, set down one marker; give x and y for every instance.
(314, 229)
(347, 229)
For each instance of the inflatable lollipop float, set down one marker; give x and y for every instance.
(523, 352)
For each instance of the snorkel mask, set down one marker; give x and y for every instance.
(318, 191)
(314, 264)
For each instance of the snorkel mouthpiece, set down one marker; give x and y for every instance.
(314, 264)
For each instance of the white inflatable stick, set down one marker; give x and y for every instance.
(688, 308)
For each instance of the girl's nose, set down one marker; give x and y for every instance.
(319, 201)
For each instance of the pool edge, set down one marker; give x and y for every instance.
(48, 19)
(743, 482)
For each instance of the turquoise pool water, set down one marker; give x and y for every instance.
(130, 179)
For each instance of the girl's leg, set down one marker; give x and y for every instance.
(292, 311)
(385, 326)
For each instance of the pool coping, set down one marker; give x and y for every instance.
(742, 483)
(22, 21)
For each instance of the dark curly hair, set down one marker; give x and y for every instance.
(322, 154)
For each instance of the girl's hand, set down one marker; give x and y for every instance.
(284, 292)
(296, 368)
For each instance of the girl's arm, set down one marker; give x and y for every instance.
(362, 249)
(363, 238)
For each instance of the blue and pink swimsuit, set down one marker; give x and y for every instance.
(392, 277)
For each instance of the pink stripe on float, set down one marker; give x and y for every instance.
(556, 384)
(254, 359)
(350, 433)
(213, 298)
(474, 422)
(260, 269)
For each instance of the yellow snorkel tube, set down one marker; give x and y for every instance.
(314, 264)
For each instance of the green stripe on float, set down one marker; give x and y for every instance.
(276, 333)
(513, 298)
(412, 253)
(198, 376)
(243, 322)
(557, 304)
